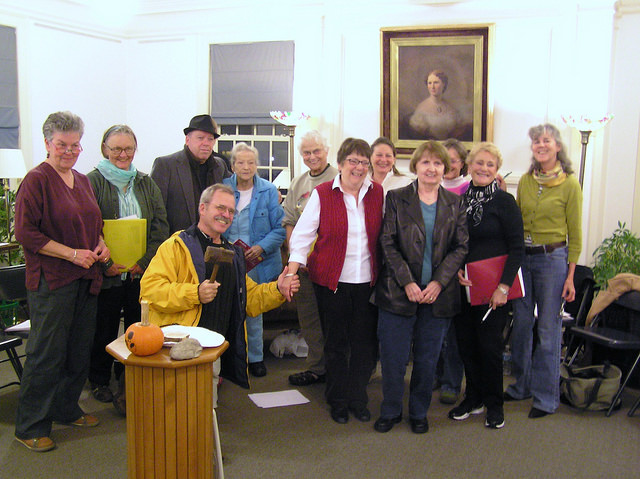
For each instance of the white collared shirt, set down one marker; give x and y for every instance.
(357, 263)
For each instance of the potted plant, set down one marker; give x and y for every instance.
(13, 256)
(619, 253)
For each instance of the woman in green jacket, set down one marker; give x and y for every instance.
(122, 191)
(550, 199)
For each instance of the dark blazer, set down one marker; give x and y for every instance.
(403, 240)
(172, 174)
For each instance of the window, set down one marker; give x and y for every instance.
(248, 80)
(271, 141)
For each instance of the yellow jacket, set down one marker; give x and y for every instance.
(170, 285)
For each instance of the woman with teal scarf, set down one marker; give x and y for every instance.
(122, 191)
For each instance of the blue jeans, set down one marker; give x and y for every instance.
(255, 338)
(396, 334)
(536, 365)
(452, 367)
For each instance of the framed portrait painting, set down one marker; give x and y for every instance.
(434, 85)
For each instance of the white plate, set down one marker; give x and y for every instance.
(206, 337)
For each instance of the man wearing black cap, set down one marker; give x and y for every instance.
(183, 175)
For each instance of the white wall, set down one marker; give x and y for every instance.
(548, 59)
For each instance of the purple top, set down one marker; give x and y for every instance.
(47, 209)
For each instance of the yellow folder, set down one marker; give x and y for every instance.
(126, 239)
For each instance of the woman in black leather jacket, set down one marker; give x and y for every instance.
(424, 242)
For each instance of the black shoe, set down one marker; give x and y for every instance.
(535, 413)
(305, 378)
(360, 413)
(101, 393)
(258, 369)
(465, 409)
(340, 414)
(384, 424)
(494, 419)
(419, 426)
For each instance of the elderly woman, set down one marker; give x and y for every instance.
(345, 215)
(383, 165)
(450, 368)
(435, 118)
(424, 243)
(550, 199)
(59, 226)
(122, 191)
(495, 229)
(258, 223)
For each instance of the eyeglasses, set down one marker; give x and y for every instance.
(354, 162)
(117, 151)
(307, 154)
(63, 148)
(223, 208)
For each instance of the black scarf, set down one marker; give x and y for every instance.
(475, 197)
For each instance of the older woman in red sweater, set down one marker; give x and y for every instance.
(345, 215)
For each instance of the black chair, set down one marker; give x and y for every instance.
(585, 286)
(9, 344)
(605, 330)
(13, 288)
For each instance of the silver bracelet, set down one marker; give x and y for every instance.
(289, 275)
(75, 253)
(503, 290)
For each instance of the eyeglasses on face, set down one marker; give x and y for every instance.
(354, 162)
(63, 148)
(117, 151)
(223, 208)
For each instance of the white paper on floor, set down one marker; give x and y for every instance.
(290, 397)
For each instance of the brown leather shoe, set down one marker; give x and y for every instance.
(38, 444)
(86, 420)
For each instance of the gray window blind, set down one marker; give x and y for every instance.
(9, 118)
(248, 80)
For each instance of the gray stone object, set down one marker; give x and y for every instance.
(188, 348)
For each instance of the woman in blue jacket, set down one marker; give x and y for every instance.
(258, 223)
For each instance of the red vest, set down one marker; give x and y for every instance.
(326, 261)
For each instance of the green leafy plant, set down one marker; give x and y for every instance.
(619, 253)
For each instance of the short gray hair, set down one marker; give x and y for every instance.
(315, 136)
(62, 122)
(242, 146)
(208, 193)
(117, 130)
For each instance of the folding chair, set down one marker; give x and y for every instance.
(9, 344)
(601, 331)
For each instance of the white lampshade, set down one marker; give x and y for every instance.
(283, 180)
(12, 164)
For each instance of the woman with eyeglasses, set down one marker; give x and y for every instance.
(122, 191)
(59, 225)
(424, 242)
(345, 215)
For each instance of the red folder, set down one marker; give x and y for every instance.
(250, 263)
(485, 276)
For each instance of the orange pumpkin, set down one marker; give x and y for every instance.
(144, 338)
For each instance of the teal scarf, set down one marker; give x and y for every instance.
(123, 181)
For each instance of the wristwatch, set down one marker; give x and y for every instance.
(503, 290)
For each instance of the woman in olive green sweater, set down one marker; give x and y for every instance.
(550, 199)
(122, 191)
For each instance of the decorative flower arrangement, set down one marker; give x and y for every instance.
(584, 123)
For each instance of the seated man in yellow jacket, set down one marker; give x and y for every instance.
(176, 286)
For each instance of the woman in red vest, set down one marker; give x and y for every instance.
(424, 243)
(344, 217)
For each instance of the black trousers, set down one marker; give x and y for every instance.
(112, 304)
(481, 344)
(349, 324)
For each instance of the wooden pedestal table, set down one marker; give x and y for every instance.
(169, 413)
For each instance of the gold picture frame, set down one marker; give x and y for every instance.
(435, 85)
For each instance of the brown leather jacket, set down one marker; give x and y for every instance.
(403, 240)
